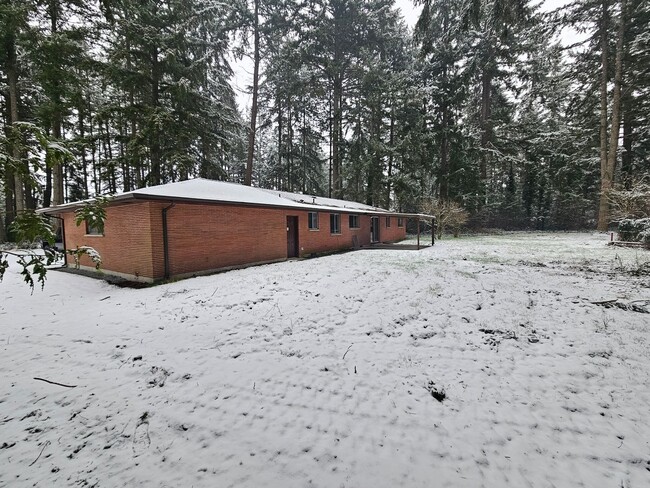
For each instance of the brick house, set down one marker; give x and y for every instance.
(198, 226)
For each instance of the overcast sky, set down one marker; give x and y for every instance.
(411, 12)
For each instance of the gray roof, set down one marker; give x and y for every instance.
(203, 190)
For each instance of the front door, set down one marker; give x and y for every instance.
(374, 229)
(292, 237)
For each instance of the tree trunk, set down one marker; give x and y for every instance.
(303, 150)
(486, 126)
(279, 136)
(94, 156)
(444, 155)
(290, 176)
(156, 157)
(336, 134)
(58, 192)
(57, 170)
(82, 147)
(331, 143)
(12, 80)
(135, 162)
(391, 153)
(10, 208)
(603, 207)
(628, 136)
(248, 178)
(3, 233)
(608, 172)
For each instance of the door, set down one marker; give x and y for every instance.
(374, 229)
(292, 237)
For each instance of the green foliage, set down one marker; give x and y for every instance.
(30, 227)
(34, 265)
(34, 229)
(93, 213)
(87, 251)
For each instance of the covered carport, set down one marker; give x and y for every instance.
(418, 218)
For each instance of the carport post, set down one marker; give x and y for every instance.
(433, 231)
(418, 233)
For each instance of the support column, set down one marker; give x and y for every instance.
(433, 231)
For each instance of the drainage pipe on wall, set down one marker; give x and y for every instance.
(166, 239)
(65, 259)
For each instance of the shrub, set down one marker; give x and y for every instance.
(449, 215)
(632, 202)
(634, 230)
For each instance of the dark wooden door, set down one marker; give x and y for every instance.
(374, 229)
(292, 237)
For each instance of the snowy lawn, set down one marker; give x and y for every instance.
(323, 372)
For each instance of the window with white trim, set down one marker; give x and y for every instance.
(354, 222)
(387, 221)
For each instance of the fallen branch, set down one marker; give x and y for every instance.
(55, 383)
(348, 350)
(604, 302)
(47, 443)
(641, 306)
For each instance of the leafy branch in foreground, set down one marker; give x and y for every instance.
(31, 230)
(34, 231)
(88, 251)
(93, 213)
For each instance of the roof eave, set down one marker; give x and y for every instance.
(69, 207)
(125, 197)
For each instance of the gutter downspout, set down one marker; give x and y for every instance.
(65, 256)
(166, 239)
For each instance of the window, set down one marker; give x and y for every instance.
(387, 221)
(313, 220)
(400, 221)
(354, 221)
(335, 223)
(92, 230)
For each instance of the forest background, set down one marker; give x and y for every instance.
(480, 105)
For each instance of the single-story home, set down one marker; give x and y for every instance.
(199, 226)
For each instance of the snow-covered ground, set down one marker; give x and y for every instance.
(320, 372)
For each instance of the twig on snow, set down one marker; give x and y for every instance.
(347, 350)
(47, 443)
(55, 383)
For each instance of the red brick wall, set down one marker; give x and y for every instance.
(210, 236)
(125, 246)
(322, 240)
(392, 233)
(204, 237)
